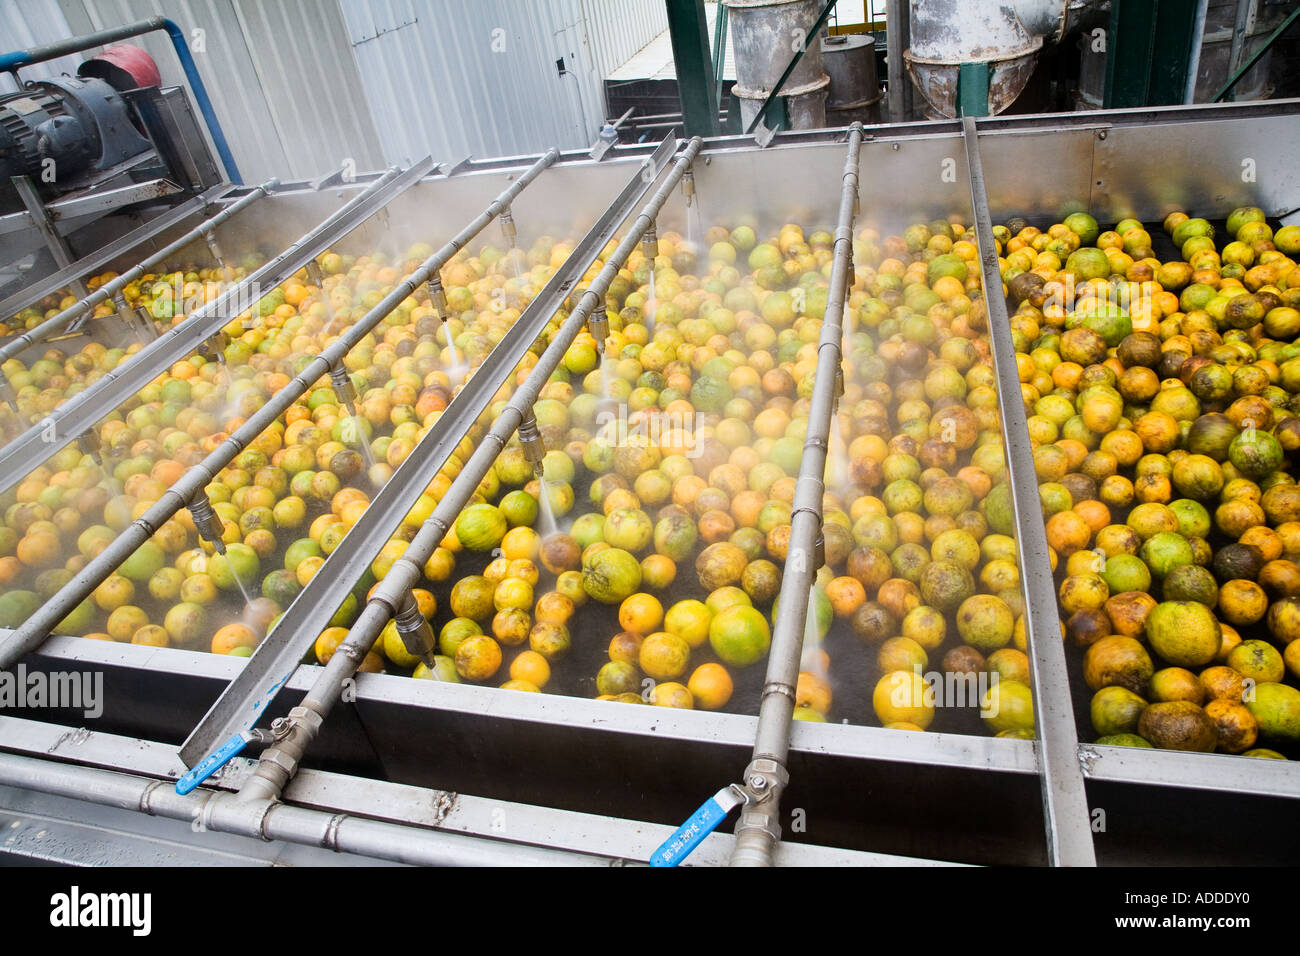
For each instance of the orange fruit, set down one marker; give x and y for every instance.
(478, 657)
(689, 620)
(1067, 532)
(151, 635)
(233, 636)
(641, 614)
(846, 595)
(813, 691)
(532, 667)
(672, 695)
(710, 684)
(664, 656)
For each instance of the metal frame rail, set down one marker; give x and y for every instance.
(203, 204)
(1065, 804)
(71, 419)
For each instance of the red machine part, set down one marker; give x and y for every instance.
(124, 67)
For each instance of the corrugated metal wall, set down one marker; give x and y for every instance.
(282, 83)
(301, 85)
(479, 77)
(29, 23)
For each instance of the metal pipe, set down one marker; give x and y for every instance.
(90, 405)
(1240, 24)
(109, 289)
(34, 631)
(1198, 40)
(266, 820)
(757, 830)
(894, 42)
(1254, 57)
(11, 62)
(278, 764)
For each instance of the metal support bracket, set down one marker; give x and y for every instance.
(1065, 802)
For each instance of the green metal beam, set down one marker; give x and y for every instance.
(1129, 45)
(689, 31)
(1254, 57)
(973, 89)
(1148, 52)
(720, 24)
(1171, 51)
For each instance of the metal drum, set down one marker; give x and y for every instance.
(854, 95)
(765, 34)
(805, 107)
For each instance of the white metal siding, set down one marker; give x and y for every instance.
(28, 23)
(299, 86)
(281, 81)
(460, 77)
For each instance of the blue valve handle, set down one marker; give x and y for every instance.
(691, 833)
(213, 762)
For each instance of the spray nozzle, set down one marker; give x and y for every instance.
(214, 347)
(208, 522)
(508, 227)
(343, 387)
(89, 443)
(530, 438)
(650, 244)
(415, 630)
(315, 275)
(210, 238)
(437, 298)
(688, 187)
(598, 327)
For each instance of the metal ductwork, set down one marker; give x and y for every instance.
(1006, 35)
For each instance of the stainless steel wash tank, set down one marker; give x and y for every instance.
(958, 797)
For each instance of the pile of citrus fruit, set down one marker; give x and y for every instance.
(164, 298)
(288, 499)
(1162, 396)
